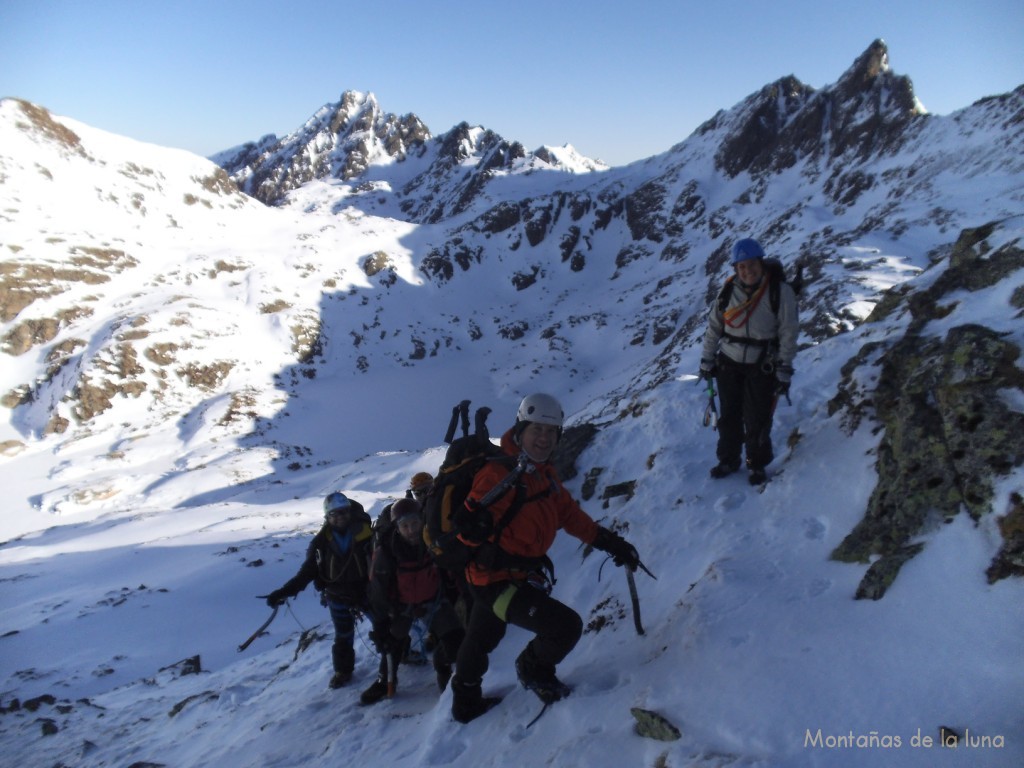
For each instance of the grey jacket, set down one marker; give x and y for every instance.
(763, 324)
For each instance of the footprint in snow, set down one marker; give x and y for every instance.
(819, 587)
(729, 502)
(814, 528)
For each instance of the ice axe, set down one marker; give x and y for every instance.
(635, 599)
(711, 411)
(392, 675)
(259, 631)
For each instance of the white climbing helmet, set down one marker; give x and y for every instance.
(541, 409)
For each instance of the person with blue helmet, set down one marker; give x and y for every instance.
(338, 563)
(749, 347)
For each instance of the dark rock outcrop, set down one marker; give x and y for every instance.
(949, 432)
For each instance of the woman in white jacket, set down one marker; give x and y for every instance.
(749, 348)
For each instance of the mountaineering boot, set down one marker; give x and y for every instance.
(444, 674)
(758, 476)
(339, 679)
(344, 661)
(468, 703)
(377, 691)
(539, 677)
(724, 469)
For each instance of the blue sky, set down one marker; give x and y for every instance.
(619, 80)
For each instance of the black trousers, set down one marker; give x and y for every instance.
(557, 626)
(442, 622)
(747, 395)
(343, 653)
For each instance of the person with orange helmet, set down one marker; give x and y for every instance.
(419, 486)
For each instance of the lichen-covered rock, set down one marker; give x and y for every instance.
(949, 433)
(654, 726)
(1010, 559)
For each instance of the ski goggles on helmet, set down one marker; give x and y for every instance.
(336, 502)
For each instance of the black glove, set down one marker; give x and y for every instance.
(783, 375)
(707, 369)
(383, 641)
(622, 552)
(276, 598)
(473, 525)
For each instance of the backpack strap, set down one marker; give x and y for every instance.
(726, 293)
(774, 342)
(511, 512)
(776, 275)
(518, 503)
(491, 555)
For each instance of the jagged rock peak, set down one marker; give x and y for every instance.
(870, 71)
(354, 101)
(867, 109)
(340, 141)
(358, 111)
(872, 62)
(358, 118)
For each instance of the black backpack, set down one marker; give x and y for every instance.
(776, 276)
(444, 510)
(359, 513)
(382, 525)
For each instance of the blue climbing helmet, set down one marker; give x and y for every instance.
(747, 248)
(336, 501)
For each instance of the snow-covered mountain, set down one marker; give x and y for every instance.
(372, 157)
(194, 353)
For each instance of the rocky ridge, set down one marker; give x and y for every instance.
(837, 180)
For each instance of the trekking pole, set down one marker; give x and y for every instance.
(259, 631)
(392, 675)
(480, 422)
(454, 423)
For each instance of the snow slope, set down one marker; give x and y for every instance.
(139, 540)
